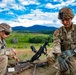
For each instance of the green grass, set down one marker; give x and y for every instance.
(23, 40)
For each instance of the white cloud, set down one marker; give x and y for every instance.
(61, 4)
(5, 3)
(35, 16)
(11, 4)
(74, 20)
(38, 17)
(17, 7)
(73, 4)
(10, 13)
(28, 2)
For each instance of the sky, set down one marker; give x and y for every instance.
(34, 12)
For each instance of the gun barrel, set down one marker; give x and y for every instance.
(33, 49)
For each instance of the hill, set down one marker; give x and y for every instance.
(34, 28)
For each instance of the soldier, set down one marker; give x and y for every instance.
(5, 30)
(65, 38)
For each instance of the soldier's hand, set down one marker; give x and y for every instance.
(13, 51)
(15, 58)
(13, 54)
(50, 59)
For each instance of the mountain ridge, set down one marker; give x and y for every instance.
(34, 28)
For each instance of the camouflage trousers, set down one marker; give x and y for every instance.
(3, 64)
(72, 68)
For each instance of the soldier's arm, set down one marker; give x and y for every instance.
(56, 43)
(11, 53)
(56, 50)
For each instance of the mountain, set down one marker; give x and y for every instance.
(34, 28)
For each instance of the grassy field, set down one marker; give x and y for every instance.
(23, 46)
(24, 52)
(23, 40)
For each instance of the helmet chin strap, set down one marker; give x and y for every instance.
(68, 28)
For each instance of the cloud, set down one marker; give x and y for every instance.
(11, 4)
(28, 2)
(60, 4)
(38, 17)
(74, 20)
(21, 13)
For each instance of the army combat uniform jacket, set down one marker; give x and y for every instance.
(65, 40)
(4, 55)
(3, 58)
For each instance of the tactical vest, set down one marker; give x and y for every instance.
(2, 47)
(65, 44)
(2, 44)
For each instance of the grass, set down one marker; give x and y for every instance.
(23, 44)
(23, 40)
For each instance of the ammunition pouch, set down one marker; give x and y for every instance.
(64, 60)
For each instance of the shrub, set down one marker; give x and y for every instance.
(37, 39)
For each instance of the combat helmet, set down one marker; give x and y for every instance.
(5, 27)
(65, 13)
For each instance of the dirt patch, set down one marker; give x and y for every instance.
(28, 51)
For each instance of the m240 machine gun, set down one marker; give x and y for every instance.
(42, 50)
(23, 65)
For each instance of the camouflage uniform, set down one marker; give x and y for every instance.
(3, 52)
(65, 40)
(3, 58)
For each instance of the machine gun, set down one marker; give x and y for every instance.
(23, 65)
(42, 50)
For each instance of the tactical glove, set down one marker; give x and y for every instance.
(63, 66)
